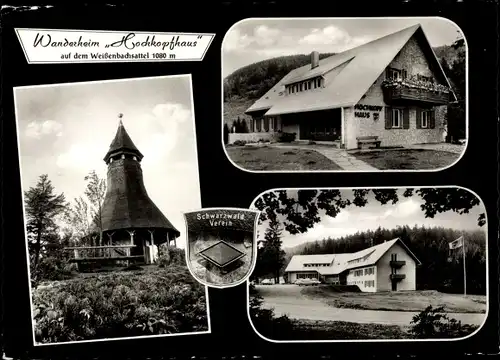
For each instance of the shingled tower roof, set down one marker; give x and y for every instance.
(127, 204)
(122, 142)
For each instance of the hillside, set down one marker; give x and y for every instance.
(245, 85)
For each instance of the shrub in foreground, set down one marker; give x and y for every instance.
(165, 301)
(286, 137)
(265, 321)
(52, 268)
(169, 255)
(434, 323)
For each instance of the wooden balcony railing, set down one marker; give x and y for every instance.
(398, 277)
(109, 252)
(393, 95)
(397, 263)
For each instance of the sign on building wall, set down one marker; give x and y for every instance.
(367, 111)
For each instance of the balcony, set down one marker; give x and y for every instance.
(397, 277)
(397, 263)
(401, 92)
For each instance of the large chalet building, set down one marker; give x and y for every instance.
(389, 266)
(392, 89)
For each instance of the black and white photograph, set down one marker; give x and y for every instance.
(369, 264)
(344, 94)
(107, 170)
(221, 245)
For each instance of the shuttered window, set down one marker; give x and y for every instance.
(425, 119)
(397, 118)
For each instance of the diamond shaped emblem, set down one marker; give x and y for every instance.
(221, 254)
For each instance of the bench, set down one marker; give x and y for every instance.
(368, 142)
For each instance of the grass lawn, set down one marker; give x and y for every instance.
(271, 158)
(411, 159)
(398, 301)
(341, 330)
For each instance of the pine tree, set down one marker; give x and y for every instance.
(42, 207)
(226, 134)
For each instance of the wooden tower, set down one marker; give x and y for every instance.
(129, 216)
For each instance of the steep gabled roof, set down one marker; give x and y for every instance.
(122, 142)
(337, 263)
(340, 262)
(362, 67)
(373, 254)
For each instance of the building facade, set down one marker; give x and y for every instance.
(392, 89)
(389, 266)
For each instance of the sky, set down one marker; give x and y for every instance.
(352, 219)
(65, 131)
(254, 40)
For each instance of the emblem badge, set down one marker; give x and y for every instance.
(221, 245)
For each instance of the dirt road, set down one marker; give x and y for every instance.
(288, 300)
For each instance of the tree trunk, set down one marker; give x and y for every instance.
(37, 247)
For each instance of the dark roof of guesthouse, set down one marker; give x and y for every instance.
(127, 204)
(122, 142)
(359, 68)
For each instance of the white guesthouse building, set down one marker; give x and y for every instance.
(392, 89)
(389, 266)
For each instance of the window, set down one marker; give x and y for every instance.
(395, 74)
(425, 119)
(369, 271)
(358, 272)
(397, 117)
(370, 283)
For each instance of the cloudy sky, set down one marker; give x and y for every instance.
(65, 131)
(254, 40)
(406, 211)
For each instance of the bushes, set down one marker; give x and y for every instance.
(120, 304)
(286, 137)
(226, 134)
(433, 323)
(51, 268)
(169, 255)
(264, 320)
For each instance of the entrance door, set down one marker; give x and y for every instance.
(394, 286)
(320, 125)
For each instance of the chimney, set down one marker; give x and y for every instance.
(314, 59)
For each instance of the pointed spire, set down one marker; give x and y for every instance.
(122, 143)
